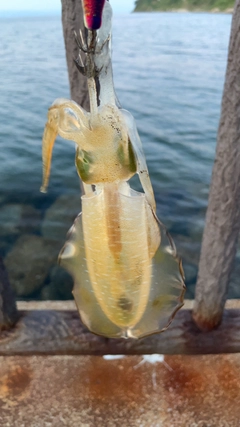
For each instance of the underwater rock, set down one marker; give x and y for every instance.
(29, 262)
(49, 293)
(16, 218)
(10, 217)
(2, 198)
(60, 285)
(30, 220)
(60, 216)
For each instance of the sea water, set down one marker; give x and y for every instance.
(169, 73)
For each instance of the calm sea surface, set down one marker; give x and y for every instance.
(169, 72)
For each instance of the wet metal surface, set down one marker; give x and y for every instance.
(151, 391)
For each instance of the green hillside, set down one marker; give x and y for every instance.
(191, 5)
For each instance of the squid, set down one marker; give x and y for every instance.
(128, 279)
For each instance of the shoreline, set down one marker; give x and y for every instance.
(215, 10)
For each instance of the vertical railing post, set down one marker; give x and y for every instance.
(223, 214)
(72, 20)
(8, 309)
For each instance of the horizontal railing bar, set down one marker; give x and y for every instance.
(54, 328)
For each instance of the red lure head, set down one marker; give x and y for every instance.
(92, 11)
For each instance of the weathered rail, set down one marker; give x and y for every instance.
(223, 214)
(72, 20)
(8, 309)
(58, 330)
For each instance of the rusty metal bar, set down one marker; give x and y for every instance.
(8, 309)
(60, 332)
(223, 214)
(72, 20)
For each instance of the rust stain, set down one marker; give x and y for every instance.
(14, 384)
(229, 379)
(183, 378)
(110, 381)
(179, 391)
(209, 391)
(116, 391)
(205, 324)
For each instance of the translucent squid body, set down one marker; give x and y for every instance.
(128, 281)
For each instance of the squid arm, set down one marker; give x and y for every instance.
(67, 119)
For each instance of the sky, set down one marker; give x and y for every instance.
(119, 6)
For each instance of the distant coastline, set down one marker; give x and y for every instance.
(226, 11)
(181, 6)
(229, 11)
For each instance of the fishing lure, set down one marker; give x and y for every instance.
(128, 280)
(92, 11)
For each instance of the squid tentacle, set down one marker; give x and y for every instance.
(67, 119)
